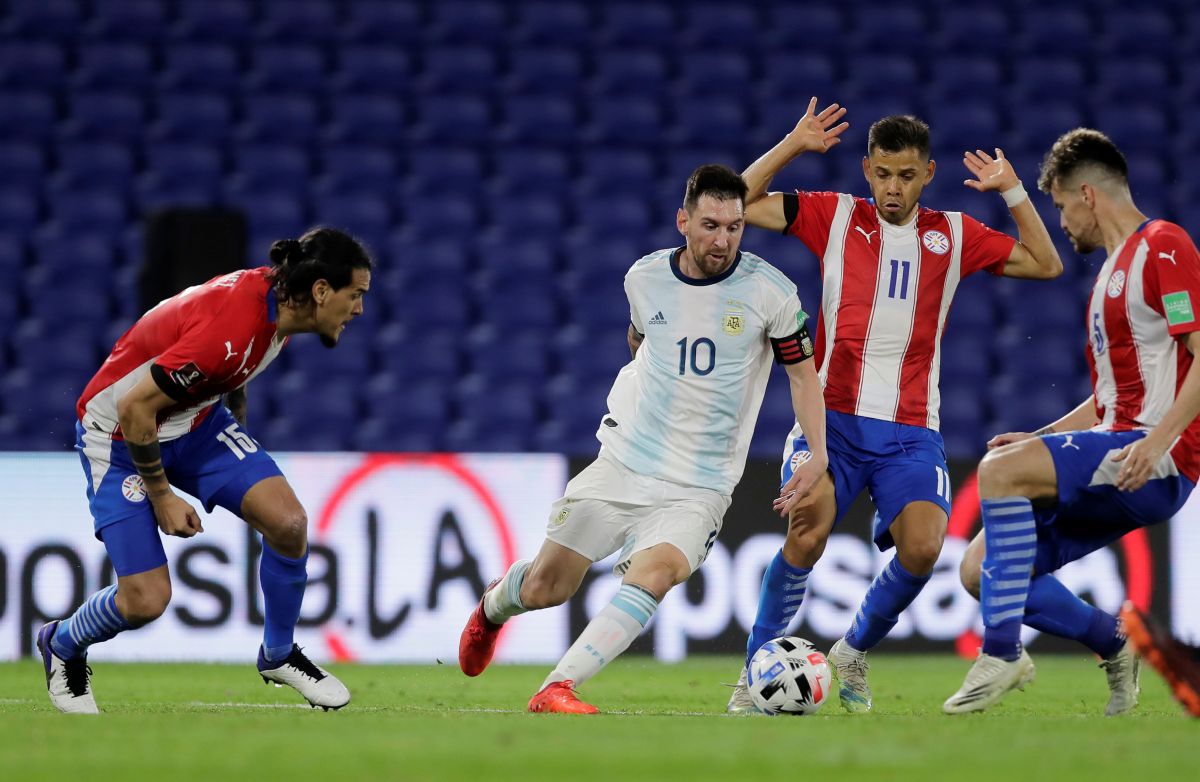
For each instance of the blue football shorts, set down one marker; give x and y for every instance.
(897, 463)
(1090, 511)
(217, 462)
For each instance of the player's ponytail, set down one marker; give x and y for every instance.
(320, 254)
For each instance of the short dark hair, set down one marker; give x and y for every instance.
(320, 254)
(899, 132)
(720, 182)
(1078, 149)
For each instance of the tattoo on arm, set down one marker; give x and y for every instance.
(147, 458)
(1045, 430)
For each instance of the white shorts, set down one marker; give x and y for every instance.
(608, 507)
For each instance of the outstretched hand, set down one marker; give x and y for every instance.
(991, 173)
(818, 132)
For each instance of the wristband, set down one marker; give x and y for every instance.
(1015, 195)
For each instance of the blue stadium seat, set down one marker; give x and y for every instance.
(445, 306)
(154, 191)
(1133, 126)
(520, 304)
(366, 215)
(882, 27)
(13, 256)
(627, 120)
(628, 166)
(433, 351)
(64, 256)
(722, 25)
(286, 68)
(505, 402)
(27, 115)
(272, 212)
(539, 119)
(31, 65)
(529, 215)
(350, 361)
(866, 82)
(718, 122)
(1041, 78)
(461, 68)
(973, 30)
(199, 165)
(1143, 30)
(791, 26)
(355, 166)
(548, 168)
(375, 119)
(300, 20)
(214, 20)
(88, 210)
(19, 210)
(468, 21)
(592, 354)
(629, 24)
(1143, 79)
(192, 116)
(22, 164)
(127, 66)
(525, 253)
(551, 71)
(144, 20)
(33, 19)
(453, 119)
(203, 66)
(472, 436)
(263, 166)
(454, 167)
(281, 117)
(1042, 122)
(795, 75)
(967, 77)
(382, 69)
(726, 73)
(556, 23)
(1067, 31)
(48, 346)
(116, 116)
(622, 72)
(78, 299)
(388, 22)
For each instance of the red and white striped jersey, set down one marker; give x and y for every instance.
(1143, 302)
(886, 292)
(203, 342)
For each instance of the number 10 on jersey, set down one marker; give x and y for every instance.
(703, 356)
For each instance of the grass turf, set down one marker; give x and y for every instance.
(218, 722)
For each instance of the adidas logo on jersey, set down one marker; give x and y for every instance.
(658, 319)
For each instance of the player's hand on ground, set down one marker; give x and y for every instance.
(819, 131)
(1139, 460)
(176, 517)
(798, 486)
(1008, 438)
(991, 173)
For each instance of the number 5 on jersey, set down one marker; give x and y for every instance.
(238, 441)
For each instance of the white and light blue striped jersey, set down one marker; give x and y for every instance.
(684, 409)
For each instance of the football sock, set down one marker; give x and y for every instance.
(1010, 538)
(889, 594)
(779, 599)
(96, 620)
(1054, 609)
(504, 601)
(606, 636)
(283, 581)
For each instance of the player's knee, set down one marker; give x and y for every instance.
(920, 556)
(142, 605)
(998, 474)
(802, 548)
(287, 533)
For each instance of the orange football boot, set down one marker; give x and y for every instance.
(477, 643)
(560, 698)
(1178, 663)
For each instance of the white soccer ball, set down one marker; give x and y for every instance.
(789, 676)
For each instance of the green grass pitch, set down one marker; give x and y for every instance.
(663, 722)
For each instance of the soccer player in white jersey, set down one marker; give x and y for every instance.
(706, 320)
(890, 268)
(1127, 457)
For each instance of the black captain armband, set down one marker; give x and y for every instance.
(791, 210)
(793, 349)
(177, 383)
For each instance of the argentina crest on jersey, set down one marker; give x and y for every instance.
(733, 322)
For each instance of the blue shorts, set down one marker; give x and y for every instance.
(897, 463)
(1091, 512)
(217, 471)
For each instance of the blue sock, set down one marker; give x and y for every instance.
(96, 620)
(889, 594)
(1054, 609)
(1010, 539)
(283, 581)
(782, 592)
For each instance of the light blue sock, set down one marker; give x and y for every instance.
(283, 581)
(892, 591)
(1010, 539)
(96, 620)
(782, 592)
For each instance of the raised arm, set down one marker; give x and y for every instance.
(1081, 418)
(1034, 256)
(815, 132)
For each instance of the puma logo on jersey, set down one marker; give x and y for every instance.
(229, 351)
(1069, 444)
(1169, 256)
(864, 233)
